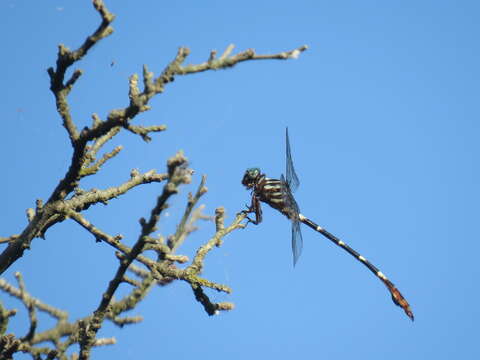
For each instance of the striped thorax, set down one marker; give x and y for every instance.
(267, 190)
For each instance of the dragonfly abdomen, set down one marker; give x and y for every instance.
(397, 296)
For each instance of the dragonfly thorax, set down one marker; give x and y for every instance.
(251, 177)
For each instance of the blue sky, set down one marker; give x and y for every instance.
(383, 117)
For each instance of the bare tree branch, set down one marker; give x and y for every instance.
(178, 174)
(104, 130)
(68, 201)
(66, 58)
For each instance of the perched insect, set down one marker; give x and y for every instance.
(278, 194)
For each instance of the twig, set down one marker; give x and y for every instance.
(176, 240)
(66, 58)
(8, 239)
(29, 304)
(12, 290)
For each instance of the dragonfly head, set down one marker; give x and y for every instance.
(250, 178)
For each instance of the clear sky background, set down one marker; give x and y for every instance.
(383, 116)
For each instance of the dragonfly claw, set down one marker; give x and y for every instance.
(246, 212)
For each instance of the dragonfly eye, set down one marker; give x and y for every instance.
(250, 177)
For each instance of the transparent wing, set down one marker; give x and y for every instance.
(292, 178)
(293, 211)
(297, 241)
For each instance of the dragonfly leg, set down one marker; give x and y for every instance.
(254, 208)
(249, 219)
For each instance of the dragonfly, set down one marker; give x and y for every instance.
(278, 194)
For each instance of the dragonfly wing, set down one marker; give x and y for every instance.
(292, 211)
(297, 241)
(292, 178)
